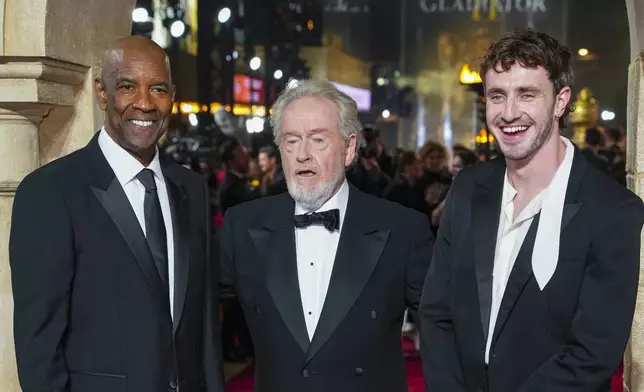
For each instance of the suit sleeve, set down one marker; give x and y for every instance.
(226, 262)
(441, 365)
(41, 256)
(213, 364)
(420, 256)
(601, 326)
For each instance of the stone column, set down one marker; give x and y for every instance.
(634, 356)
(49, 55)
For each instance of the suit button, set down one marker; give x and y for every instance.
(374, 314)
(257, 312)
(173, 385)
(359, 371)
(305, 373)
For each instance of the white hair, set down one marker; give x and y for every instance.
(347, 107)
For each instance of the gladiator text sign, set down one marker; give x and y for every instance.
(474, 6)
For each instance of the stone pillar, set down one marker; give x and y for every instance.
(49, 55)
(634, 356)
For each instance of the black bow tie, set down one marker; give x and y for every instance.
(329, 219)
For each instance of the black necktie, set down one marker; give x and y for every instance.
(329, 219)
(154, 225)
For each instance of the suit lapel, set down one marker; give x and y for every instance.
(522, 269)
(105, 186)
(180, 211)
(359, 250)
(275, 241)
(486, 209)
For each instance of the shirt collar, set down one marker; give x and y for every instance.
(124, 165)
(536, 204)
(339, 201)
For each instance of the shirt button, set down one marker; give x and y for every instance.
(374, 314)
(305, 373)
(359, 371)
(310, 313)
(312, 264)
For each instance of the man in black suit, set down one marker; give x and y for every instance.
(324, 272)
(534, 276)
(109, 251)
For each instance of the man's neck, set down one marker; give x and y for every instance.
(530, 176)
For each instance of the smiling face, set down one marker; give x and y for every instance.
(522, 109)
(136, 93)
(314, 152)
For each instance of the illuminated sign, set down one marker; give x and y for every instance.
(362, 96)
(248, 90)
(477, 6)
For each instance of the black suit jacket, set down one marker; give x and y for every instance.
(570, 336)
(381, 261)
(90, 311)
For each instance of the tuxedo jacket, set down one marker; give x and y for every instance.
(91, 313)
(383, 254)
(569, 337)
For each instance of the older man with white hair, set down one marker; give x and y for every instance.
(324, 272)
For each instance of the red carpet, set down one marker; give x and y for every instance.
(243, 382)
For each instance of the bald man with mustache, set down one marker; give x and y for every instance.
(110, 250)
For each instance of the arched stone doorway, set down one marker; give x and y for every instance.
(49, 50)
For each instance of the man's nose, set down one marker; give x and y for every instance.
(303, 151)
(510, 111)
(143, 101)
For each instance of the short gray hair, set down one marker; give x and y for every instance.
(347, 107)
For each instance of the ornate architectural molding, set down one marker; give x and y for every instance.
(38, 80)
(8, 187)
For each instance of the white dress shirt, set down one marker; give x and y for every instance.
(126, 168)
(316, 248)
(512, 232)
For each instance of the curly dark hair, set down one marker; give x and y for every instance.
(532, 49)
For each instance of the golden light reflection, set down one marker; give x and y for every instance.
(469, 76)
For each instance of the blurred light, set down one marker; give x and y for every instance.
(255, 63)
(224, 15)
(140, 15)
(381, 81)
(397, 74)
(228, 57)
(298, 28)
(583, 52)
(386, 113)
(292, 83)
(189, 107)
(235, 54)
(192, 118)
(278, 74)
(608, 115)
(469, 76)
(309, 24)
(177, 29)
(255, 125)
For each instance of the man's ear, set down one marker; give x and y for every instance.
(101, 94)
(351, 150)
(562, 100)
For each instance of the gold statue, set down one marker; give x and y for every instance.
(584, 116)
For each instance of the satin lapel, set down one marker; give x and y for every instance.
(519, 276)
(276, 243)
(117, 205)
(359, 250)
(181, 230)
(486, 209)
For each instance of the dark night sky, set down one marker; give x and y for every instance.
(599, 25)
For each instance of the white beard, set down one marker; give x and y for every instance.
(313, 198)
